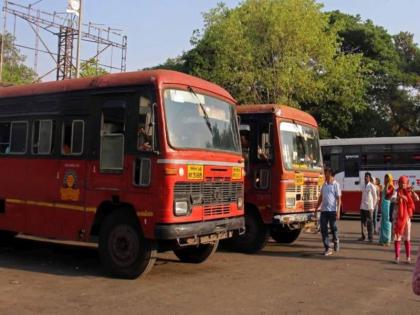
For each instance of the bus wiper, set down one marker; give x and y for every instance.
(206, 116)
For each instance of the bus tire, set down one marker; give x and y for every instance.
(255, 237)
(124, 251)
(196, 254)
(7, 236)
(285, 235)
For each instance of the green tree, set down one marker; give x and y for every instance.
(91, 68)
(14, 69)
(279, 51)
(392, 77)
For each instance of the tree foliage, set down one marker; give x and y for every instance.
(14, 69)
(352, 75)
(279, 51)
(91, 68)
(392, 78)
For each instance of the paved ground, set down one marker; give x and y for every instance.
(37, 277)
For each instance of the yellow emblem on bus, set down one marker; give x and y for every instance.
(236, 172)
(320, 180)
(299, 179)
(195, 172)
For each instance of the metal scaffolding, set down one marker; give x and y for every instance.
(63, 26)
(65, 53)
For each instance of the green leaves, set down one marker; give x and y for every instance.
(353, 76)
(91, 68)
(277, 51)
(14, 70)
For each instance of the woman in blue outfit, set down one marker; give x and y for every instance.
(386, 226)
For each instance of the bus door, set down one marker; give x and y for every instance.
(71, 176)
(351, 183)
(106, 170)
(144, 144)
(42, 218)
(260, 155)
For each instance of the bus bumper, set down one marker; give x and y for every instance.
(200, 232)
(295, 218)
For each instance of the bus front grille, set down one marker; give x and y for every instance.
(215, 196)
(213, 210)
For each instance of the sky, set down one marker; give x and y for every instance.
(161, 29)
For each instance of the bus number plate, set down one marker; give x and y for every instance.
(236, 173)
(195, 172)
(299, 179)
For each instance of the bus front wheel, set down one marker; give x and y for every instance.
(285, 235)
(123, 249)
(196, 254)
(6, 236)
(255, 237)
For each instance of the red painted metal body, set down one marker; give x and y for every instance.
(271, 202)
(31, 188)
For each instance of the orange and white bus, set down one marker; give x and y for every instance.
(138, 162)
(351, 158)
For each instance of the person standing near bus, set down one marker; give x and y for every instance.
(369, 200)
(385, 228)
(403, 212)
(378, 187)
(330, 202)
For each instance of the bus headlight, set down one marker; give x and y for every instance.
(181, 207)
(240, 202)
(290, 202)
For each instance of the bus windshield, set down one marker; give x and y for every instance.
(198, 121)
(300, 147)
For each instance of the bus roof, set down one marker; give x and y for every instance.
(280, 110)
(114, 80)
(368, 141)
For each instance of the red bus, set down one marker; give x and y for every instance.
(283, 173)
(138, 162)
(351, 158)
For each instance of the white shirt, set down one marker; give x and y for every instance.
(369, 197)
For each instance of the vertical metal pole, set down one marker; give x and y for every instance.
(79, 37)
(38, 16)
(2, 44)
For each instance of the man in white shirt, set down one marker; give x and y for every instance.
(369, 200)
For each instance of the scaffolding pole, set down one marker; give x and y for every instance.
(62, 26)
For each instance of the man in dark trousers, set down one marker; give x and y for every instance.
(367, 204)
(330, 202)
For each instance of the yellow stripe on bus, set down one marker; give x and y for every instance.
(51, 205)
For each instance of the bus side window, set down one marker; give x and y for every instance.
(112, 136)
(18, 137)
(145, 128)
(351, 167)
(245, 133)
(335, 162)
(72, 137)
(42, 136)
(264, 149)
(5, 137)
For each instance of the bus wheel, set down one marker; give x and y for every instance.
(123, 249)
(196, 254)
(6, 236)
(255, 237)
(285, 235)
